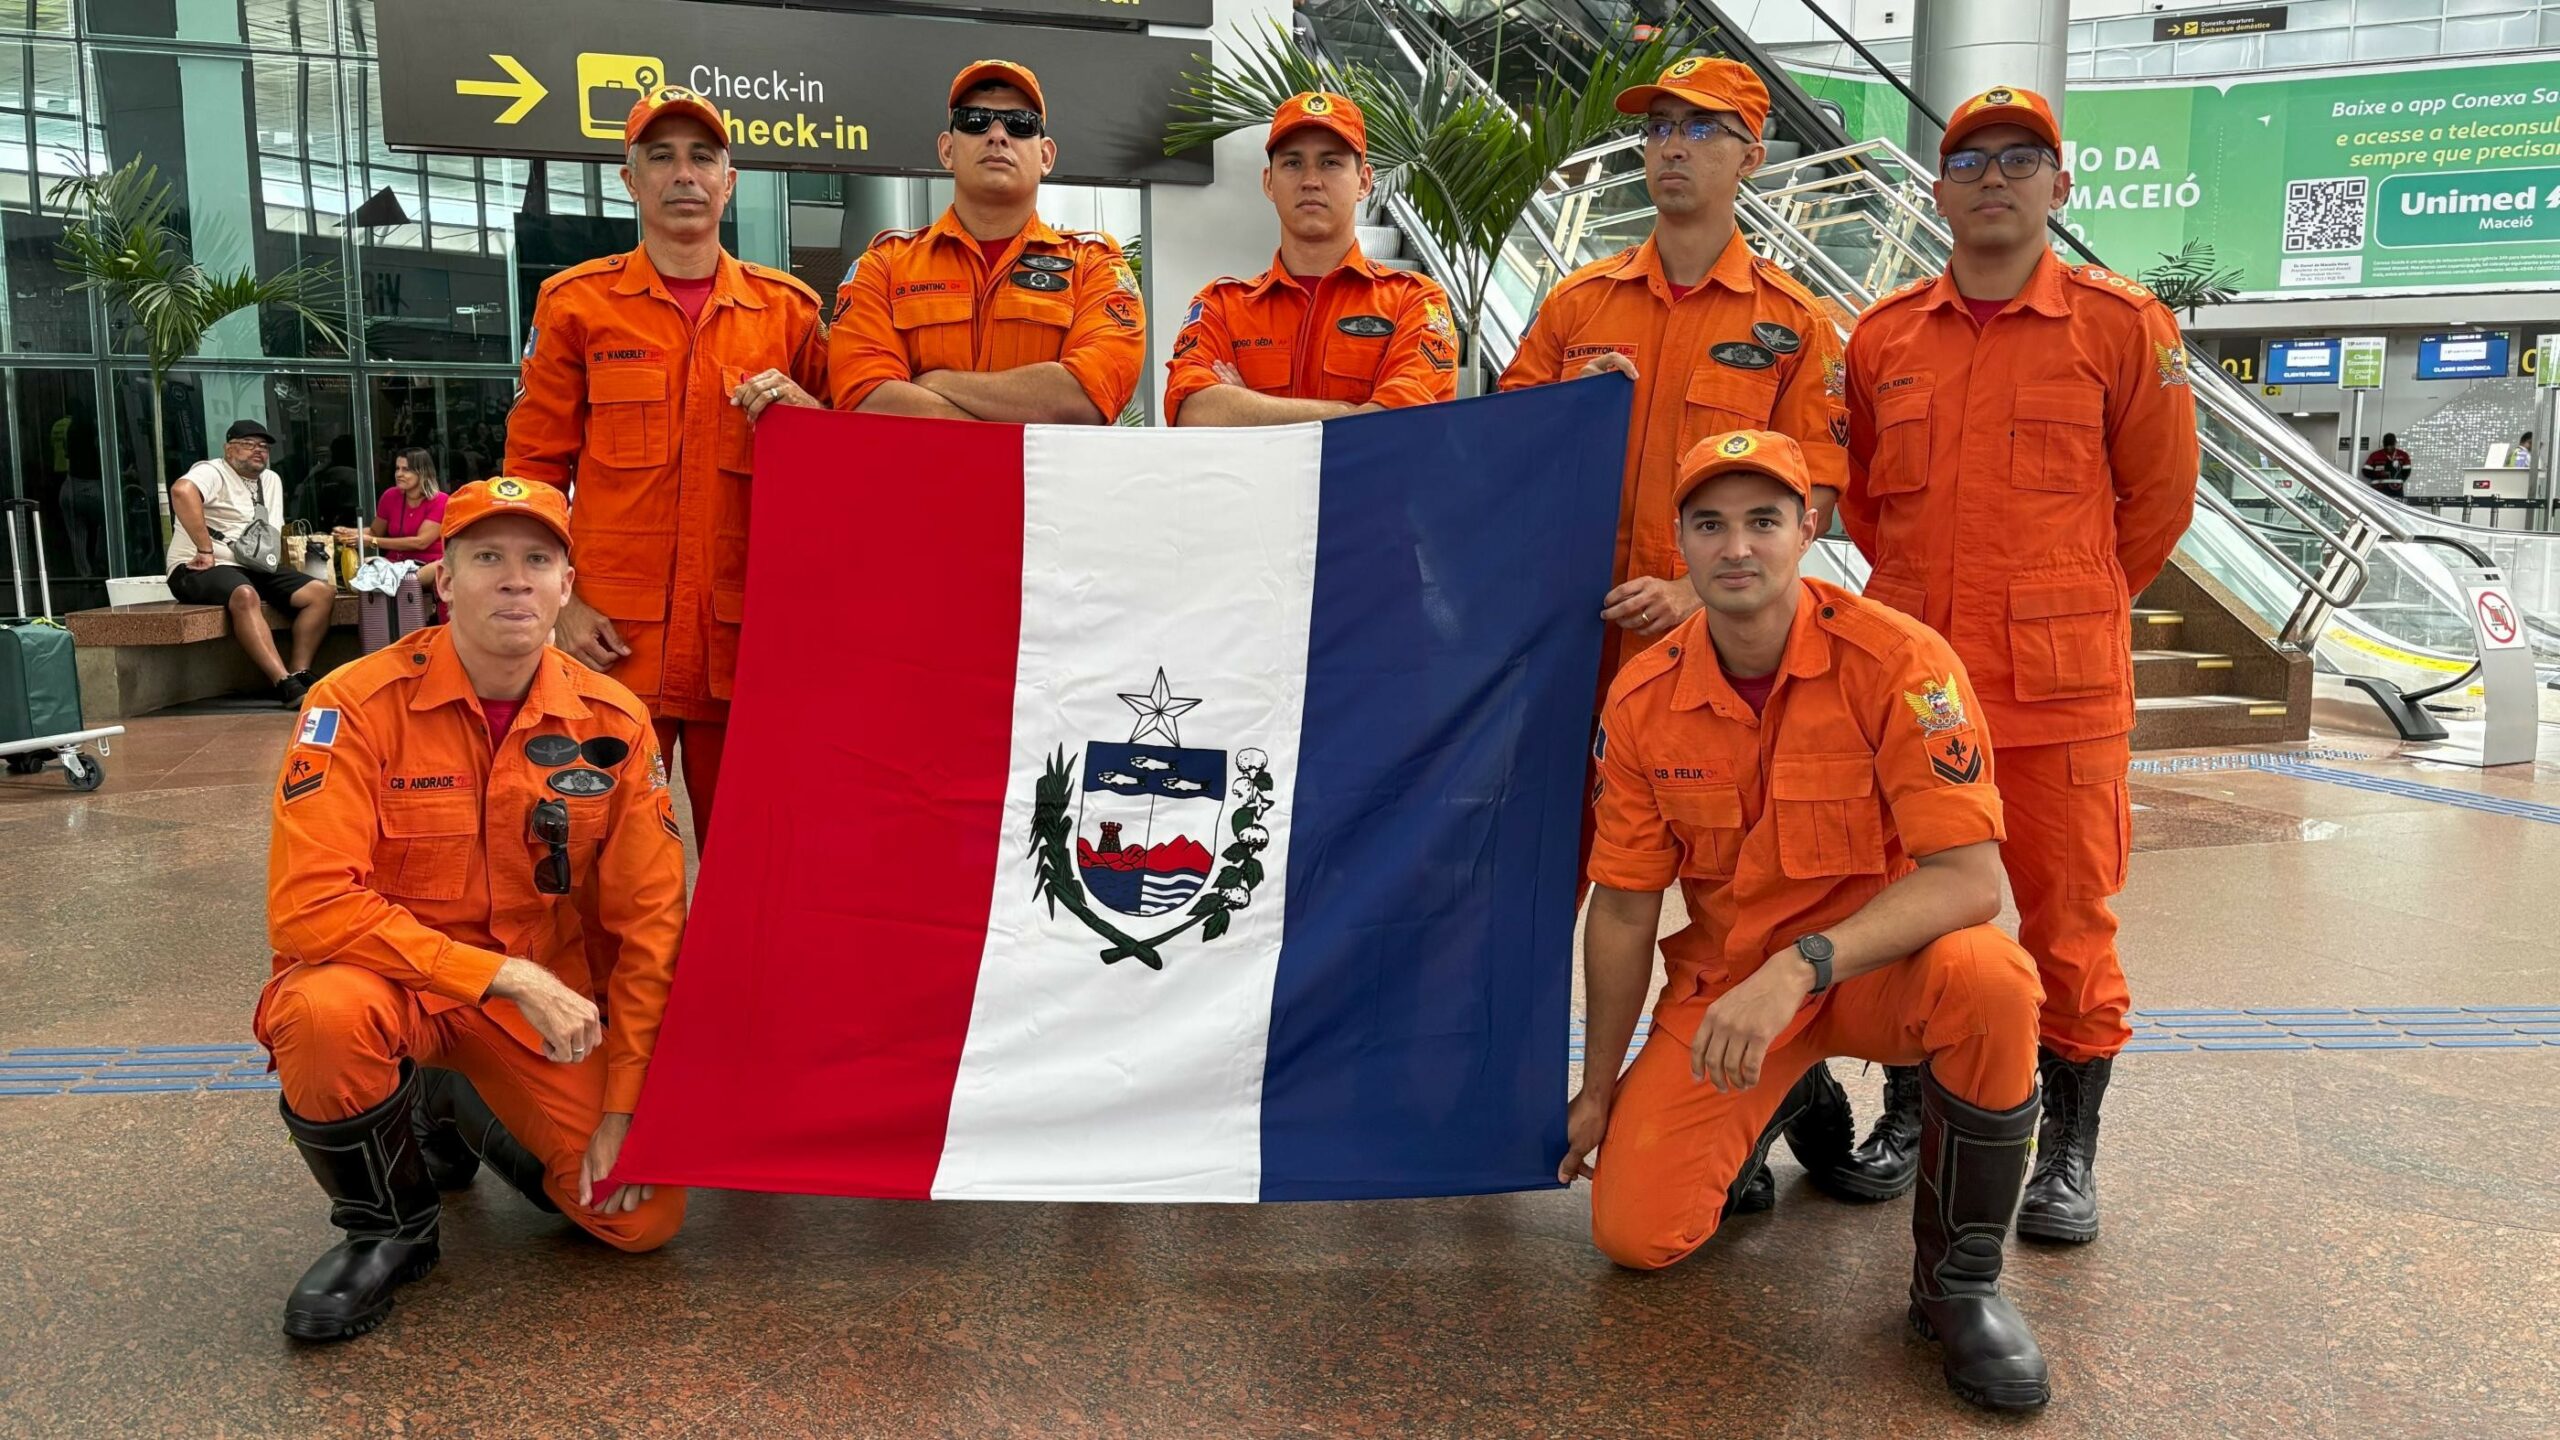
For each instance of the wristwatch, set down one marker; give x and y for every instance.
(1816, 950)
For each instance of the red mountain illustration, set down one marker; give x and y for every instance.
(1181, 853)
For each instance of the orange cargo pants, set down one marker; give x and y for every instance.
(2070, 821)
(700, 756)
(339, 1032)
(1966, 1005)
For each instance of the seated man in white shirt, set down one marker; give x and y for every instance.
(213, 501)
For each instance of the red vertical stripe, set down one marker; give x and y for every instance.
(831, 960)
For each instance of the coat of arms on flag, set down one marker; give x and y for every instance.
(1134, 823)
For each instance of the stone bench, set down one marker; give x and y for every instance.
(138, 658)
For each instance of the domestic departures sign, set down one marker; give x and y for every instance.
(799, 89)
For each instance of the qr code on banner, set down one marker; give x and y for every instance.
(2324, 215)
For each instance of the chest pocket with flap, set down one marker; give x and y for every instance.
(1828, 820)
(1708, 821)
(627, 415)
(425, 849)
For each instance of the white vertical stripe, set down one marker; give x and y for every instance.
(1192, 551)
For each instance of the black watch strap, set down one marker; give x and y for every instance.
(1816, 950)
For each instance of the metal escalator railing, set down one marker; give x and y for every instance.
(1854, 221)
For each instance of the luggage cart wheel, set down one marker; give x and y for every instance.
(26, 764)
(82, 771)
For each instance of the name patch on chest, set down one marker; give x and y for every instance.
(429, 782)
(616, 357)
(928, 287)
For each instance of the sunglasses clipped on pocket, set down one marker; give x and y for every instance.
(550, 825)
(978, 120)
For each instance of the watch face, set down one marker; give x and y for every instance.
(1814, 947)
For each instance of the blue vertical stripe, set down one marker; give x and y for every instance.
(1420, 1014)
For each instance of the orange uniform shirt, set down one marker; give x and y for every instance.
(1748, 349)
(925, 300)
(1364, 334)
(627, 400)
(1783, 824)
(2015, 484)
(403, 842)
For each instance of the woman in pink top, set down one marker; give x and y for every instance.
(410, 516)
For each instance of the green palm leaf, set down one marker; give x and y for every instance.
(1467, 163)
(123, 244)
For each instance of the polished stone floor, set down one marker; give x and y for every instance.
(2343, 1223)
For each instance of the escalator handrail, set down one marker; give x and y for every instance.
(2328, 538)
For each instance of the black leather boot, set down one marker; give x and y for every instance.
(1814, 1108)
(1820, 1129)
(1972, 1163)
(379, 1194)
(451, 1162)
(452, 1117)
(1887, 1164)
(2062, 1198)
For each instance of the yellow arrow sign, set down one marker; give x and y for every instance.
(526, 91)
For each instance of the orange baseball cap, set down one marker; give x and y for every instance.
(1757, 452)
(656, 105)
(999, 72)
(1323, 111)
(1709, 84)
(506, 495)
(2002, 105)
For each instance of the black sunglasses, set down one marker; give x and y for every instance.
(550, 825)
(978, 120)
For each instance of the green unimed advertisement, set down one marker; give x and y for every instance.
(2340, 182)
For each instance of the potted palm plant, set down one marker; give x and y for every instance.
(1468, 163)
(123, 244)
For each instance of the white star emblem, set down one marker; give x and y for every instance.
(1157, 710)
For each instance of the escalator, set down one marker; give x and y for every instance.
(2315, 570)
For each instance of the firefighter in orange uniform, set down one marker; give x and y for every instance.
(988, 314)
(1325, 331)
(642, 381)
(1806, 764)
(2022, 447)
(1715, 337)
(444, 809)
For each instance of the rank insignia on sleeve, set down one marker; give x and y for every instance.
(1937, 707)
(1958, 762)
(2172, 364)
(308, 772)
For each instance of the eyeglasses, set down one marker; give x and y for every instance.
(2017, 163)
(550, 825)
(978, 120)
(256, 444)
(1695, 129)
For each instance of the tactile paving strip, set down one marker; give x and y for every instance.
(2313, 1027)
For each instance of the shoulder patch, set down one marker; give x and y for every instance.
(305, 771)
